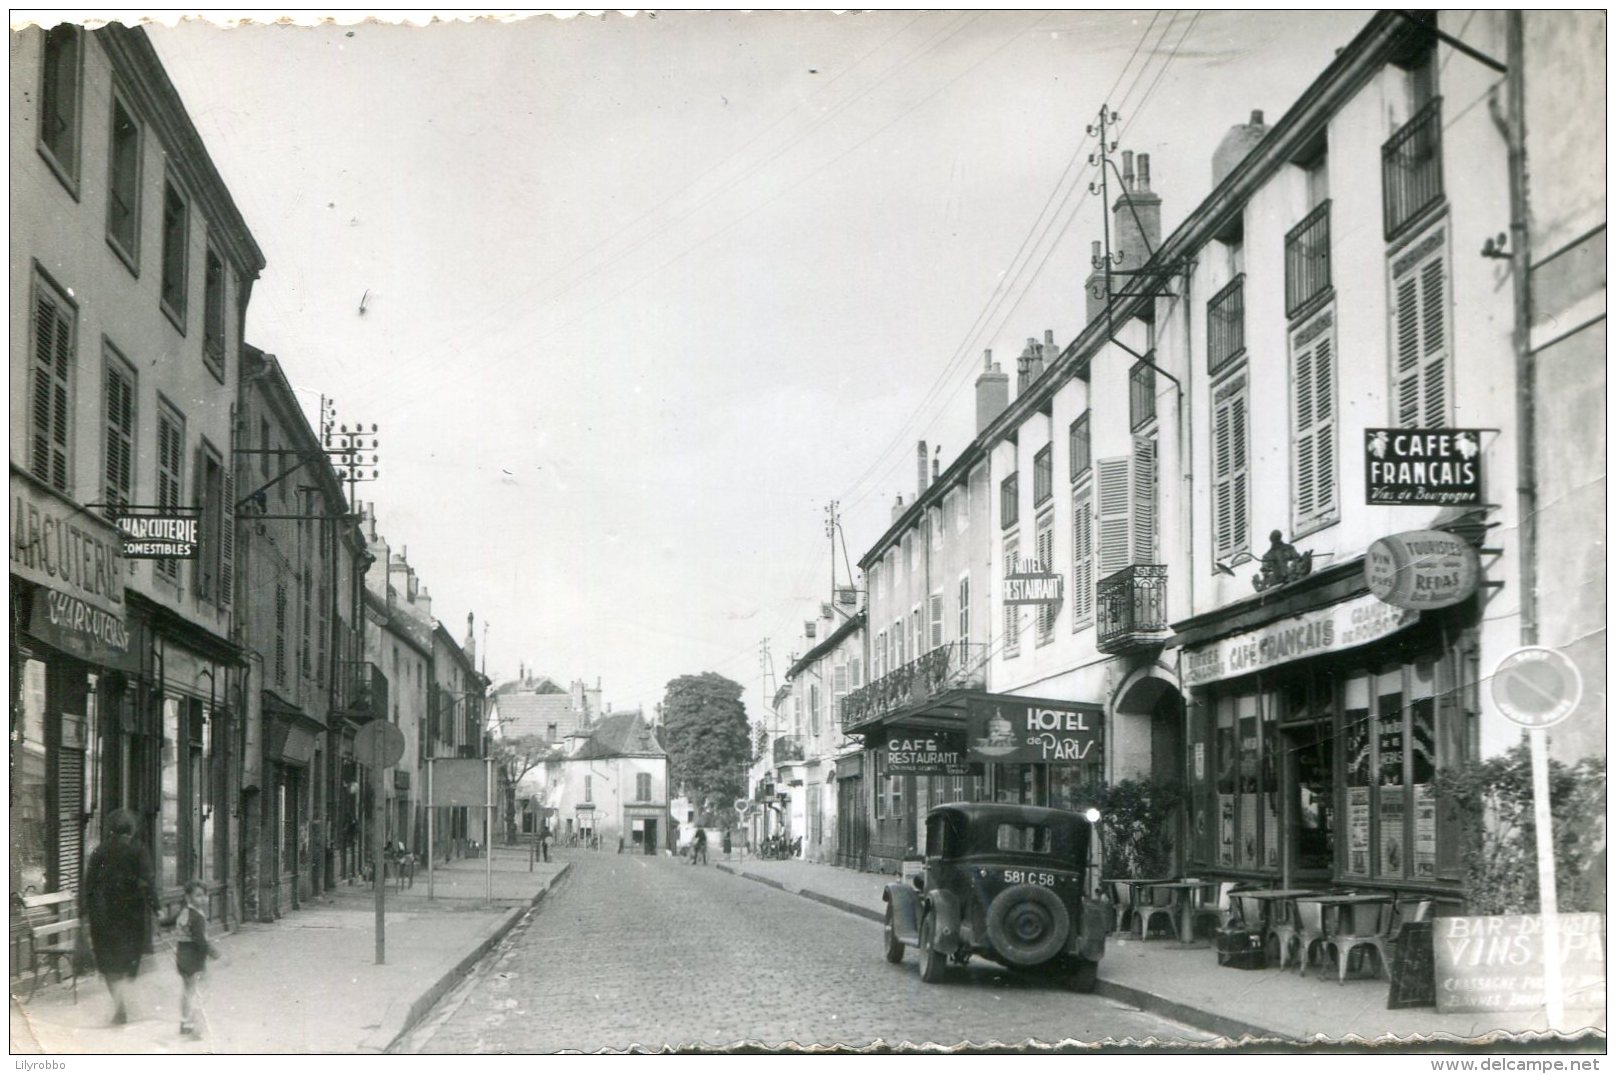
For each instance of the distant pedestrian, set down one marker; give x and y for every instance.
(120, 901)
(698, 849)
(620, 844)
(727, 844)
(544, 844)
(191, 953)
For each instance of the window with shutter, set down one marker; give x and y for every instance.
(213, 314)
(1230, 480)
(917, 633)
(1313, 424)
(1113, 515)
(1078, 446)
(61, 64)
(119, 405)
(52, 387)
(1009, 501)
(210, 498)
(1421, 376)
(170, 470)
(965, 608)
(172, 292)
(280, 633)
(1046, 561)
(303, 651)
(227, 538)
(1083, 560)
(1012, 633)
(1144, 499)
(935, 614)
(123, 184)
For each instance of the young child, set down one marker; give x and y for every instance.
(191, 952)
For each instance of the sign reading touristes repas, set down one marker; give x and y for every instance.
(1404, 467)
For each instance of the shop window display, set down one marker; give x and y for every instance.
(30, 835)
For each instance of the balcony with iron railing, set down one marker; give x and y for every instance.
(1226, 325)
(361, 690)
(955, 665)
(1411, 169)
(1131, 609)
(788, 749)
(1307, 260)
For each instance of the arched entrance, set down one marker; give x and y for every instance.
(1148, 733)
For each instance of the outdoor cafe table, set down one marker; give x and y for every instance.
(1267, 899)
(1184, 901)
(1346, 905)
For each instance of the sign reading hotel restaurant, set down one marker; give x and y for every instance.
(926, 753)
(158, 536)
(1421, 569)
(1032, 584)
(1496, 963)
(1422, 466)
(1007, 731)
(1323, 630)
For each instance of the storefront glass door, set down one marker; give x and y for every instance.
(1309, 758)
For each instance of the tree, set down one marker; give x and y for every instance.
(516, 757)
(709, 739)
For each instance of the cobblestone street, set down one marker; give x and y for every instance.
(649, 951)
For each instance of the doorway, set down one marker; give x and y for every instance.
(1309, 800)
(650, 836)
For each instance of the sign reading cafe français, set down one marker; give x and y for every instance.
(158, 536)
(926, 753)
(1422, 466)
(1323, 630)
(1004, 730)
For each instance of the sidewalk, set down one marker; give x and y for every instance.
(1188, 985)
(308, 982)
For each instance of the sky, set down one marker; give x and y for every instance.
(633, 298)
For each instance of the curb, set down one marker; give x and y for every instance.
(1228, 1028)
(392, 1030)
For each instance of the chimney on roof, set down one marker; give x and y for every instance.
(1136, 217)
(936, 461)
(992, 392)
(1240, 140)
(920, 469)
(897, 507)
(423, 599)
(1127, 169)
(470, 646)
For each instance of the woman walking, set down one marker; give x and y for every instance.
(120, 900)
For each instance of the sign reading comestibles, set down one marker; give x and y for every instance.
(158, 536)
(1324, 630)
(1422, 466)
(926, 753)
(1004, 730)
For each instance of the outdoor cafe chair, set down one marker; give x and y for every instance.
(1156, 902)
(1222, 910)
(1310, 932)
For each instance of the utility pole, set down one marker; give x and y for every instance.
(831, 521)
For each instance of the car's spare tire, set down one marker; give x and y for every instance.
(1028, 924)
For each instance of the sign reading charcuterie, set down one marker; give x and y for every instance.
(1422, 466)
(158, 536)
(1421, 569)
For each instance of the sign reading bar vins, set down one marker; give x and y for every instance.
(1008, 731)
(1422, 466)
(158, 536)
(1496, 963)
(927, 753)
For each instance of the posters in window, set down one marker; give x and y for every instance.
(1226, 829)
(1424, 831)
(1393, 853)
(1270, 833)
(1358, 830)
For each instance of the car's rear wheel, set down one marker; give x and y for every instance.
(1083, 974)
(933, 963)
(889, 935)
(1028, 924)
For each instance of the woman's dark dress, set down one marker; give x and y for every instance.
(120, 899)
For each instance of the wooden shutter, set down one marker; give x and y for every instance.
(53, 353)
(227, 534)
(120, 421)
(1012, 635)
(1229, 469)
(1083, 559)
(1045, 550)
(1144, 499)
(965, 611)
(1113, 527)
(1420, 374)
(935, 610)
(1313, 424)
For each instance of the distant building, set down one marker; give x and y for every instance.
(608, 781)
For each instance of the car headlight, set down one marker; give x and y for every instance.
(1093, 815)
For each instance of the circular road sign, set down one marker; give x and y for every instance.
(741, 804)
(386, 735)
(1536, 687)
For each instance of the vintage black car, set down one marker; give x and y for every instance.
(1015, 884)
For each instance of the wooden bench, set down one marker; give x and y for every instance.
(53, 925)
